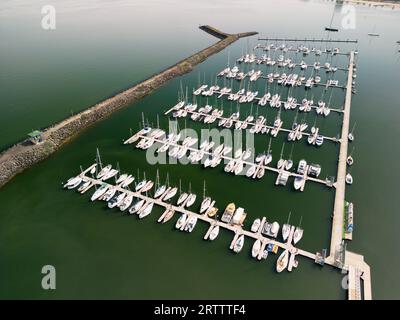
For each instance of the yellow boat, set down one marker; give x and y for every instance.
(230, 208)
(228, 213)
(212, 212)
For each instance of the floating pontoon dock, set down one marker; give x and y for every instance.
(253, 124)
(236, 229)
(256, 99)
(137, 136)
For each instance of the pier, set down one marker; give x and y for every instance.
(354, 263)
(138, 136)
(308, 40)
(256, 99)
(253, 124)
(235, 228)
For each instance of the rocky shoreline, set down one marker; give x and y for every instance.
(24, 154)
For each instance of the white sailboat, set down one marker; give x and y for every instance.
(214, 233)
(181, 221)
(256, 248)
(238, 246)
(136, 207)
(282, 261)
(145, 210)
(298, 233)
(256, 225)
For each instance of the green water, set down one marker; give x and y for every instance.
(99, 48)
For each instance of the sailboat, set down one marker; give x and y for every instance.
(286, 228)
(351, 135)
(181, 221)
(214, 233)
(206, 200)
(330, 28)
(281, 161)
(289, 163)
(298, 233)
(282, 261)
(256, 248)
(238, 246)
(373, 33)
(268, 156)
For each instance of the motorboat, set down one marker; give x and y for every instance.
(211, 212)
(214, 233)
(282, 261)
(298, 182)
(319, 140)
(256, 225)
(349, 178)
(301, 169)
(238, 246)
(314, 170)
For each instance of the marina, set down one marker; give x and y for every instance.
(273, 101)
(258, 233)
(258, 110)
(258, 125)
(214, 157)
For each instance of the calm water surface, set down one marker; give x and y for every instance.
(100, 47)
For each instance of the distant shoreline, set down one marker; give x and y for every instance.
(387, 4)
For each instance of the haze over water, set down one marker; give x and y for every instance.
(101, 47)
